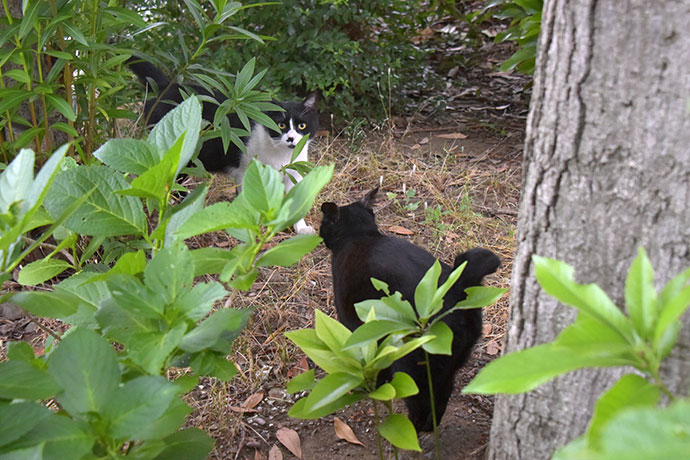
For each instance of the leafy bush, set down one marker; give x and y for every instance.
(355, 52)
(107, 402)
(627, 421)
(392, 329)
(523, 29)
(62, 76)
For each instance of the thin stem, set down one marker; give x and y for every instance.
(437, 441)
(42, 327)
(376, 424)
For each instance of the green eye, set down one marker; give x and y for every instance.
(282, 125)
(302, 126)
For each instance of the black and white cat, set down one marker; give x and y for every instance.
(267, 146)
(361, 252)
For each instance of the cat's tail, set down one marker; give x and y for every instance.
(145, 71)
(480, 262)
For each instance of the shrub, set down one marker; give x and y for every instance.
(628, 421)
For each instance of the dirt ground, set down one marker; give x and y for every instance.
(450, 180)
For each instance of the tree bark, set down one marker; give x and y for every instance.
(606, 170)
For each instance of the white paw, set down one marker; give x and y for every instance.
(302, 228)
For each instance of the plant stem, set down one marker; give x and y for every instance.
(377, 420)
(437, 441)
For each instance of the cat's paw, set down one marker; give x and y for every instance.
(301, 228)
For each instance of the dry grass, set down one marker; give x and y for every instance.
(475, 184)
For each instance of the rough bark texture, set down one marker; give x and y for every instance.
(606, 169)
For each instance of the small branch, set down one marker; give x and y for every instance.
(41, 326)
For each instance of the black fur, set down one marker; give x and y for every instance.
(361, 252)
(212, 155)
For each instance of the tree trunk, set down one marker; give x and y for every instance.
(606, 169)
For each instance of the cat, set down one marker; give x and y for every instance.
(360, 252)
(270, 148)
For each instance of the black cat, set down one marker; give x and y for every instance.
(361, 252)
(270, 148)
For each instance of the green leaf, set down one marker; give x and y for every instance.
(219, 216)
(385, 392)
(131, 263)
(300, 198)
(168, 274)
(630, 391)
(371, 331)
(210, 260)
(404, 385)
(30, 453)
(187, 444)
(640, 295)
(45, 177)
(315, 349)
(129, 155)
(132, 297)
(137, 404)
(213, 364)
(20, 351)
(183, 119)
(298, 410)
(263, 188)
(86, 367)
(192, 204)
(169, 422)
(481, 296)
(21, 380)
(16, 181)
(399, 431)
(525, 370)
(198, 302)
(151, 350)
(556, 278)
(670, 312)
(334, 334)
(41, 270)
(47, 304)
(105, 213)
(64, 438)
(330, 389)
(301, 382)
(217, 331)
(289, 252)
(443, 339)
(424, 293)
(393, 308)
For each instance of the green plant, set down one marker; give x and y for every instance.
(523, 29)
(63, 64)
(392, 329)
(111, 403)
(407, 204)
(433, 217)
(627, 421)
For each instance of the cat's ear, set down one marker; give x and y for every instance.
(330, 210)
(311, 100)
(369, 198)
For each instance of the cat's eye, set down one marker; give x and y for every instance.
(302, 126)
(282, 125)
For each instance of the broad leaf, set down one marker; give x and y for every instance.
(217, 331)
(187, 444)
(137, 404)
(21, 380)
(640, 295)
(404, 385)
(330, 389)
(151, 350)
(424, 293)
(168, 274)
(630, 391)
(399, 431)
(219, 216)
(443, 339)
(105, 213)
(64, 438)
(298, 410)
(385, 392)
(301, 382)
(86, 367)
(371, 331)
(301, 197)
(129, 155)
(18, 418)
(556, 278)
(316, 349)
(16, 181)
(289, 252)
(185, 118)
(263, 188)
(41, 270)
(47, 304)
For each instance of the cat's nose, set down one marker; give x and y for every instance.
(290, 140)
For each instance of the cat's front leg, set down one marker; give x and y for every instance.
(301, 227)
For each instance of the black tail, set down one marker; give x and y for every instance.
(480, 262)
(145, 71)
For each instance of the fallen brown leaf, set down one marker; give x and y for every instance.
(275, 453)
(492, 348)
(302, 366)
(424, 141)
(290, 439)
(400, 230)
(486, 329)
(259, 456)
(452, 136)
(252, 401)
(343, 431)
